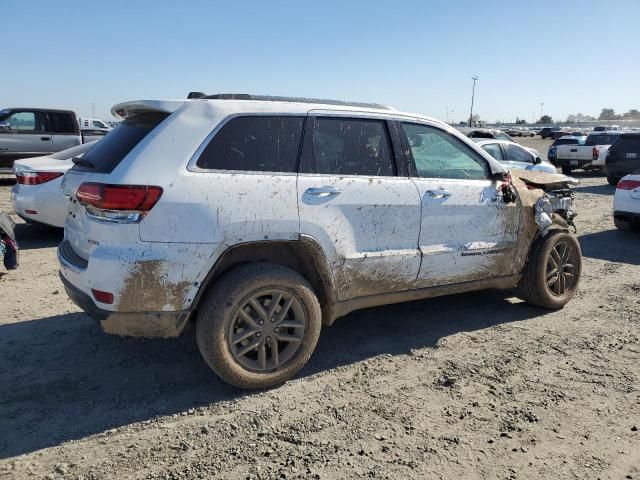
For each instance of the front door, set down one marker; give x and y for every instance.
(352, 200)
(467, 231)
(25, 134)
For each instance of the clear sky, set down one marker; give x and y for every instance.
(573, 55)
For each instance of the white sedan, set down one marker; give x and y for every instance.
(626, 202)
(513, 155)
(36, 195)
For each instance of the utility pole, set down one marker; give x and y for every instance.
(541, 105)
(473, 93)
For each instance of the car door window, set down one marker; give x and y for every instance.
(515, 153)
(62, 122)
(494, 150)
(255, 143)
(346, 146)
(26, 122)
(438, 154)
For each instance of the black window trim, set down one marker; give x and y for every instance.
(413, 171)
(192, 164)
(390, 129)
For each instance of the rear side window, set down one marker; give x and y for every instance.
(344, 146)
(111, 150)
(62, 122)
(255, 144)
(517, 154)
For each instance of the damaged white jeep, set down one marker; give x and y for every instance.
(263, 218)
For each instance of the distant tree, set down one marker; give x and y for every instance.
(545, 119)
(632, 114)
(608, 114)
(520, 121)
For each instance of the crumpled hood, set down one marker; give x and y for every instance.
(543, 179)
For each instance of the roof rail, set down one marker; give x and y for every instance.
(271, 98)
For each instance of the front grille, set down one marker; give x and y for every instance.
(66, 252)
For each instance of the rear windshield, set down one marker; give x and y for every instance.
(602, 139)
(568, 141)
(628, 143)
(111, 150)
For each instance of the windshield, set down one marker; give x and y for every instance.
(72, 152)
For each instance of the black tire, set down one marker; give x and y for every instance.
(566, 170)
(621, 224)
(534, 286)
(219, 315)
(611, 180)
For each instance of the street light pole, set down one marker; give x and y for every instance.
(473, 93)
(541, 105)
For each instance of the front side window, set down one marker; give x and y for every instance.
(347, 146)
(494, 150)
(25, 122)
(438, 154)
(515, 153)
(255, 144)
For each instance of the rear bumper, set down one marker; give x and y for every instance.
(152, 324)
(633, 219)
(563, 162)
(46, 200)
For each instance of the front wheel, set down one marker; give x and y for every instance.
(611, 180)
(551, 276)
(259, 325)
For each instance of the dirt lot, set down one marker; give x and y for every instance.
(472, 386)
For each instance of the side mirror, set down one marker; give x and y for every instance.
(537, 161)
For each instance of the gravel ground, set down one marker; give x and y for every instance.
(471, 386)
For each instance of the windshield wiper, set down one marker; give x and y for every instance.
(82, 162)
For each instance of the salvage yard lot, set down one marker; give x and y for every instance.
(477, 385)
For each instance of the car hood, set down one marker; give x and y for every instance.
(42, 164)
(543, 179)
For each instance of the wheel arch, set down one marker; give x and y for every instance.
(305, 256)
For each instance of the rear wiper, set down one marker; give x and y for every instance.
(82, 162)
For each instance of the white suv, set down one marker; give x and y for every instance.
(263, 218)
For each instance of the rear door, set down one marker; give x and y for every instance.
(65, 132)
(356, 200)
(467, 232)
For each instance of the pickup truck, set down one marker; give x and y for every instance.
(34, 132)
(587, 156)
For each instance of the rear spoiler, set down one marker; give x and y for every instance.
(129, 109)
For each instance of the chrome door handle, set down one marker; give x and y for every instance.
(322, 191)
(439, 193)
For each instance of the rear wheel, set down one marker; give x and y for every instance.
(552, 274)
(259, 325)
(611, 180)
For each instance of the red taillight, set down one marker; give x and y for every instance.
(139, 198)
(36, 178)
(628, 184)
(102, 297)
(596, 153)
